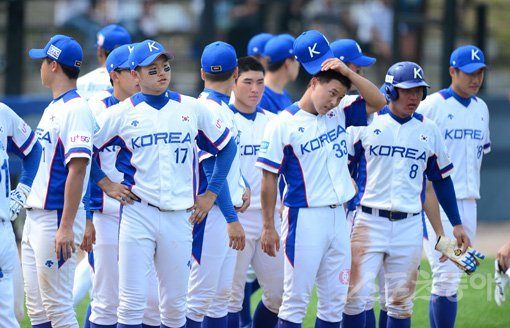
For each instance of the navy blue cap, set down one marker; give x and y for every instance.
(257, 44)
(112, 36)
(61, 48)
(218, 57)
(312, 49)
(146, 52)
(349, 51)
(119, 58)
(279, 48)
(468, 59)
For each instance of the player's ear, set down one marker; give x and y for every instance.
(235, 74)
(135, 75)
(452, 71)
(202, 74)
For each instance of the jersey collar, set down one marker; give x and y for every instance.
(463, 101)
(217, 96)
(248, 116)
(158, 101)
(68, 95)
(386, 110)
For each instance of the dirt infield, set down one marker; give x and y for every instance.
(491, 236)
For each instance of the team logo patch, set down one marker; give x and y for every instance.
(53, 52)
(377, 132)
(216, 68)
(264, 145)
(49, 263)
(135, 123)
(331, 114)
(344, 276)
(77, 63)
(457, 252)
(301, 129)
(185, 118)
(423, 137)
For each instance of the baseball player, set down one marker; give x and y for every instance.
(55, 221)
(157, 131)
(502, 273)
(307, 138)
(251, 121)
(463, 121)
(282, 68)
(256, 47)
(108, 38)
(15, 136)
(349, 51)
(213, 263)
(387, 230)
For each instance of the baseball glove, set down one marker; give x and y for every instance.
(468, 261)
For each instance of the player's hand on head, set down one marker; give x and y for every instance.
(64, 243)
(202, 206)
(270, 241)
(336, 64)
(236, 236)
(89, 238)
(246, 201)
(462, 238)
(18, 199)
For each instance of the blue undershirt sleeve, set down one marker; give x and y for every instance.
(445, 193)
(96, 174)
(30, 165)
(224, 160)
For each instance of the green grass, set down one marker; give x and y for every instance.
(476, 301)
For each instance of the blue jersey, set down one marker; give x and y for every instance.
(273, 101)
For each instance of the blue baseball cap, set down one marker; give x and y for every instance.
(119, 58)
(349, 51)
(146, 52)
(112, 36)
(312, 49)
(257, 44)
(61, 48)
(468, 59)
(218, 57)
(279, 48)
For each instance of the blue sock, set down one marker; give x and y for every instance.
(369, 318)
(287, 324)
(245, 314)
(233, 319)
(355, 321)
(399, 323)
(444, 310)
(94, 325)
(319, 323)
(263, 317)
(86, 319)
(192, 323)
(254, 286)
(215, 322)
(432, 319)
(121, 325)
(383, 318)
(149, 326)
(43, 325)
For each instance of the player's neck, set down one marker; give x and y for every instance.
(275, 81)
(61, 86)
(119, 94)
(306, 104)
(459, 92)
(221, 87)
(243, 108)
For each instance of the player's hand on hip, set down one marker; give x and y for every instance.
(202, 206)
(117, 191)
(64, 243)
(89, 238)
(236, 236)
(463, 241)
(270, 241)
(246, 201)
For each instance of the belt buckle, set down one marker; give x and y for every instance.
(333, 206)
(390, 216)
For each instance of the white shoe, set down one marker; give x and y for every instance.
(502, 280)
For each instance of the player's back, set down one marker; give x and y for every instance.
(92, 82)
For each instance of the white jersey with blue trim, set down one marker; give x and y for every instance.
(106, 159)
(157, 154)
(218, 103)
(65, 132)
(15, 136)
(464, 126)
(92, 82)
(251, 130)
(398, 154)
(311, 152)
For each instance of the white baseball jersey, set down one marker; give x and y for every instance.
(464, 126)
(16, 136)
(161, 138)
(92, 82)
(311, 152)
(65, 132)
(251, 130)
(398, 152)
(106, 158)
(218, 103)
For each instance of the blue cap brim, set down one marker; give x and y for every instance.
(363, 61)
(411, 84)
(471, 68)
(313, 67)
(149, 60)
(37, 53)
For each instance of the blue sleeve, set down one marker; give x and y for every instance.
(86, 203)
(224, 201)
(445, 193)
(222, 165)
(30, 165)
(96, 174)
(356, 113)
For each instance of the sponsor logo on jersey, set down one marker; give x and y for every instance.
(80, 138)
(397, 151)
(160, 138)
(463, 134)
(135, 123)
(301, 129)
(317, 143)
(450, 116)
(49, 263)
(264, 145)
(377, 132)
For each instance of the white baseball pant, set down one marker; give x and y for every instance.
(9, 259)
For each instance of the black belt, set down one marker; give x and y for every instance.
(334, 206)
(392, 216)
(149, 204)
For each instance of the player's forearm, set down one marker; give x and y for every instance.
(431, 208)
(30, 165)
(268, 197)
(445, 193)
(374, 99)
(73, 191)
